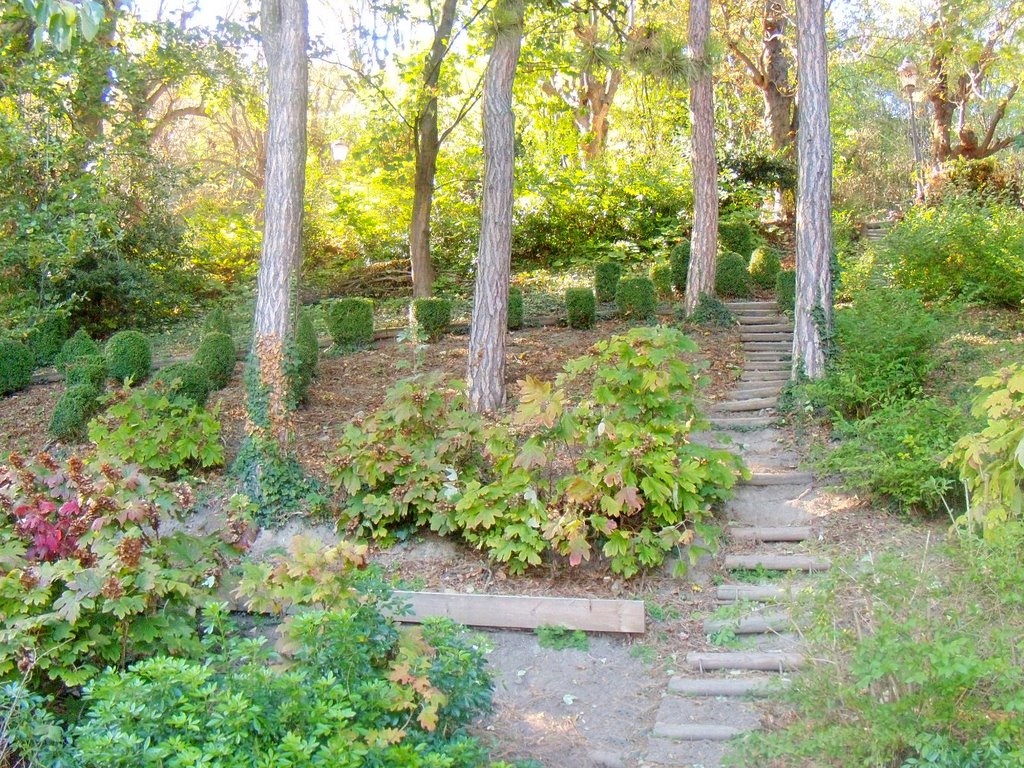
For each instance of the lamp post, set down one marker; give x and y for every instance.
(339, 151)
(907, 73)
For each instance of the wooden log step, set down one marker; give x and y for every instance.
(775, 355)
(755, 367)
(763, 335)
(746, 305)
(767, 346)
(757, 328)
(720, 686)
(770, 562)
(753, 389)
(697, 731)
(771, 533)
(780, 478)
(764, 661)
(748, 404)
(742, 422)
(755, 624)
(762, 593)
(759, 513)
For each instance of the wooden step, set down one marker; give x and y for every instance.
(742, 422)
(765, 335)
(721, 686)
(748, 305)
(770, 533)
(749, 404)
(775, 355)
(756, 624)
(780, 478)
(765, 661)
(756, 391)
(758, 513)
(772, 562)
(767, 346)
(697, 731)
(757, 328)
(763, 593)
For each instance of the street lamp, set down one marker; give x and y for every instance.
(907, 73)
(339, 151)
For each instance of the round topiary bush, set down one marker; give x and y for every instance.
(129, 356)
(187, 381)
(736, 235)
(679, 260)
(218, 321)
(661, 276)
(731, 278)
(606, 280)
(16, 364)
(431, 317)
(765, 265)
(580, 308)
(79, 345)
(515, 308)
(303, 361)
(711, 311)
(216, 355)
(88, 369)
(785, 290)
(350, 322)
(46, 338)
(636, 299)
(76, 406)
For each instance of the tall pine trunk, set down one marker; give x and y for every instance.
(813, 325)
(700, 277)
(486, 368)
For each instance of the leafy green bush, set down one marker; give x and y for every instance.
(431, 318)
(150, 427)
(303, 359)
(580, 308)
(216, 355)
(731, 278)
(89, 581)
(711, 311)
(661, 276)
(764, 268)
(991, 461)
(129, 356)
(350, 322)
(88, 369)
(515, 308)
(736, 235)
(785, 290)
(79, 345)
(185, 380)
(76, 406)
(606, 280)
(679, 260)
(218, 321)
(47, 336)
(636, 299)
(16, 365)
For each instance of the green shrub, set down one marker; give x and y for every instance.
(736, 235)
(76, 406)
(731, 278)
(764, 268)
(88, 369)
(159, 432)
(16, 366)
(580, 308)
(679, 260)
(515, 308)
(636, 299)
(218, 321)
(47, 337)
(303, 360)
(185, 380)
(216, 355)
(431, 318)
(79, 345)
(350, 322)
(661, 276)
(129, 356)
(711, 311)
(606, 280)
(785, 290)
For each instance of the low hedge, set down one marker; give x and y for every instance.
(16, 365)
(188, 381)
(350, 322)
(731, 278)
(432, 317)
(785, 290)
(636, 299)
(580, 308)
(217, 356)
(515, 308)
(606, 280)
(129, 356)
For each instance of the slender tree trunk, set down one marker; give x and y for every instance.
(428, 145)
(700, 277)
(285, 40)
(813, 325)
(486, 368)
(777, 91)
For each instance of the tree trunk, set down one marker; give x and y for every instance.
(486, 368)
(428, 145)
(778, 95)
(700, 277)
(813, 324)
(285, 40)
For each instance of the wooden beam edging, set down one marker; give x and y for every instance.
(525, 612)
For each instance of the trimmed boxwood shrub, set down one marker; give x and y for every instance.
(79, 345)
(47, 337)
(350, 322)
(432, 317)
(187, 381)
(606, 280)
(515, 308)
(661, 276)
(636, 298)
(76, 406)
(218, 321)
(129, 356)
(16, 364)
(580, 308)
(216, 355)
(731, 278)
(303, 359)
(89, 369)
(765, 265)
(679, 261)
(711, 311)
(785, 290)
(736, 235)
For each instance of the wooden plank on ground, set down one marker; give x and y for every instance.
(525, 612)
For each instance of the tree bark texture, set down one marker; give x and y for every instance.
(700, 277)
(428, 146)
(813, 323)
(489, 327)
(285, 40)
(777, 90)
